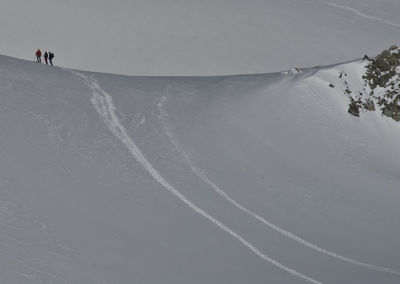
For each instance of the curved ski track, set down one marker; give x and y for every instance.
(103, 104)
(200, 173)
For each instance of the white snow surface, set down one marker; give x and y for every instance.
(234, 179)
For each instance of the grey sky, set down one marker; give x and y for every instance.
(176, 37)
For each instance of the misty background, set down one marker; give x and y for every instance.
(187, 37)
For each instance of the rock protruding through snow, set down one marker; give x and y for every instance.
(381, 90)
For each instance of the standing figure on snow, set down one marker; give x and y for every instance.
(51, 56)
(46, 55)
(38, 56)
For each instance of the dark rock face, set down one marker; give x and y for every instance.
(383, 78)
(382, 68)
(354, 108)
(369, 105)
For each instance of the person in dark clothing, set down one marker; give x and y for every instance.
(38, 56)
(46, 55)
(51, 56)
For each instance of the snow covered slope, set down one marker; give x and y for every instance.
(238, 179)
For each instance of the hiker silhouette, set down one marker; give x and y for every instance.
(46, 55)
(38, 56)
(51, 56)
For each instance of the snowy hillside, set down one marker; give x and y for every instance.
(237, 179)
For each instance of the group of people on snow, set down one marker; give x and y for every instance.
(48, 57)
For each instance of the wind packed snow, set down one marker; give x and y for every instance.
(234, 179)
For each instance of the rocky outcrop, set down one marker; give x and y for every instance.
(382, 85)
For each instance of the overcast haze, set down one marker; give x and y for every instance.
(176, 37)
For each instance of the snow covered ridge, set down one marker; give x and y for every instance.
(381, 86)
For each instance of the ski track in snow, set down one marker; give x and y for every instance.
(103, 104)
(163, 114)
(361, 14)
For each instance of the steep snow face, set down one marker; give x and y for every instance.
(175, 37)
(235, 179)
